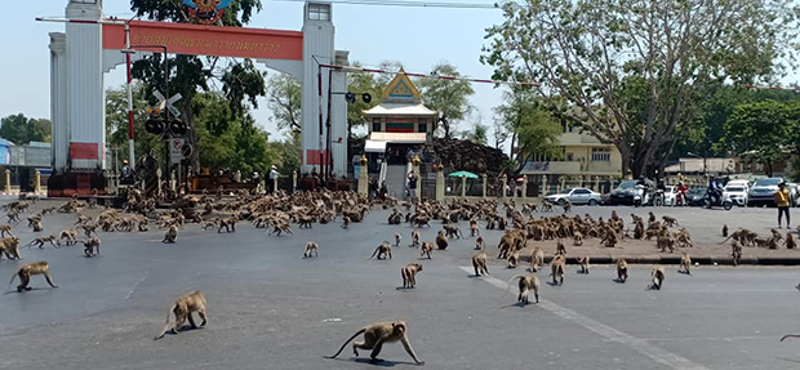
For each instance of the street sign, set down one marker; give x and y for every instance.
(176, 150)
(164, 102)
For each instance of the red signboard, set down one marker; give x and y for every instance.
(192, 39)
(313, 157)
(83, 150)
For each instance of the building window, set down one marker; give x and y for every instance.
(422, 127)
(601, 154)
(376, 127)
(319, 12)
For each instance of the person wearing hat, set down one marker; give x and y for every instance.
(782, 201)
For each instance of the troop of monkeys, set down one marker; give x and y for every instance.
(277, 211)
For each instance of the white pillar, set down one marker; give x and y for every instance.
(58, 101)
(318, 38)
(85, 87)
(339, 117)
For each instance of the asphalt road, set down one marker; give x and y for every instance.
(271, 309)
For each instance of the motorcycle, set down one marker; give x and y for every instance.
(714, 198)
(641, 197)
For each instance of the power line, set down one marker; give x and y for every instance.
(408, 3)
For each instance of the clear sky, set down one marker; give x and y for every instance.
(417, 37)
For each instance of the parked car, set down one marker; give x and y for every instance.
(762, 192)
(575, 196)
(695, 197)
(623, 193)
(737, 192)
(669, 196)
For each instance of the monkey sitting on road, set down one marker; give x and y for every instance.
(171, 236)
(10, 247)
(27, 270)
(725, 231)
(527, 283)
(658, 277)
(561, 249)
(441, 241)
(686, 264)
(479, 243)
(311, 247)
(91, 246)
(409, 274)
(397, 239)
(376, 335)
(345, 222)
(426, 249)
(789, 242)
(736, 252)
(383, 250)
(577, 239)
(622, 270)
(665, 242)
(39, 242)
(584, 262)
(479, 264)
(182, 308)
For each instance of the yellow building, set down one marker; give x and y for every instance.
(582, 155)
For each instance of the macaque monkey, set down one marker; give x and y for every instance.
(584, 262)
(210, 224)
(686, 264)
(665, 242)
(397, 239)
(670, 221)
(479, 243)
(346, 222)
(182, 308)
(27, 270)
(725, 231)
(652, 218)
(577, 239)
(10, 247)
(474, 229)
(415, 238)
(736, 252)
(311, 247)
(376, 335)
(39, 242)
(512, 260)
(790, 242)
(537, 259)
(5, 229)
(383, 250)
(558, 266)
(561, 250)
(441, 240)
(90, 246)
(71, 235)
(409, 274)
(658, 277)
(479, 264)
(622, 270)
(143, 227)
(426, 249)
(171, 236)
(228, 223)
(527, 283)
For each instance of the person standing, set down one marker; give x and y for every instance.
(782, 197)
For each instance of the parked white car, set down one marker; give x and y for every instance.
(737, 193)
(575, 196)
(669, 196)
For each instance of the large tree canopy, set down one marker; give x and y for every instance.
(762, 131)
(534, 129)
(21, 130)
(240, 81)
(633, 68)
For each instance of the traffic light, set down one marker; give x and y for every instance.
(177, 128)
(366, 98)
(154, 126)
(350, 97)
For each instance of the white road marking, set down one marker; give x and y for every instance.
(656, 354)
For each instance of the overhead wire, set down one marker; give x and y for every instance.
(408, 3)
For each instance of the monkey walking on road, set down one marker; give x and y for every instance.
(183, 307)
(27, 270)
(376, 335)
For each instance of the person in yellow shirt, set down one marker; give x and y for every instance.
(782, 201)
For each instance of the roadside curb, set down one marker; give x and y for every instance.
(676, 259)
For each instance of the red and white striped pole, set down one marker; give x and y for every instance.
(131, 154)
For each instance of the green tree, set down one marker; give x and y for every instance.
(761, 131)
(479, 133)
(449, 97)
(534, 129)
(117, 124)
(21, 130)
(360, 83)
(288, 154)
(241, 82)
(603, 55)
(283, 99)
